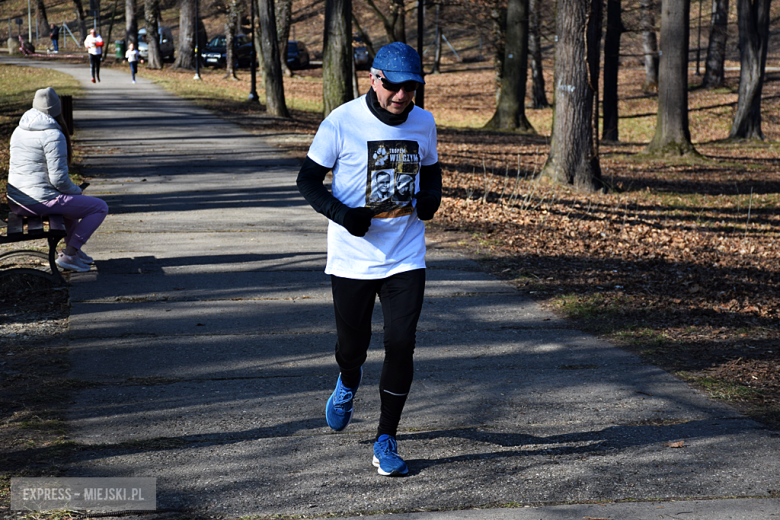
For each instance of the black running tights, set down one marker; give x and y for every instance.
(401, 296)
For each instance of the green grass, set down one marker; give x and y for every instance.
(723, 390)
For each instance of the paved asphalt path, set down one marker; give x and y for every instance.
(204, 338)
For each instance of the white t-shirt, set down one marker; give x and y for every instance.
(376, 165)
(90, 42)
(131, 55)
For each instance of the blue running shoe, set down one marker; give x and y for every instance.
(386, 457)
(338, 410)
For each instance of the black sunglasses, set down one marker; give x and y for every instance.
(409, 86)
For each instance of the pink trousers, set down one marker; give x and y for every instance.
(82, 215)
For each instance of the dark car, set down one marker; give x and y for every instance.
(215, 53)
(362, 58)
(297, 55)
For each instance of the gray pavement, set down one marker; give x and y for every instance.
(204, 341)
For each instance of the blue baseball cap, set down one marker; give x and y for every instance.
(399, 62)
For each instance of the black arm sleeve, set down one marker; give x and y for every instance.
(430, 179)
(310, 184)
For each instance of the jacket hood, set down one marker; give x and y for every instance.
(35, 120)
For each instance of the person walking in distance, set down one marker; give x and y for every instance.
(94, 45)
(376, 240)
(55, 38)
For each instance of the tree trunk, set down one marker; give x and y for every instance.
(753, 21)
(283, 21)
(108, 39)
(574, 158)
(231, 23)
(399, 19)
(185, 55)
(259, 44)
(538, 95)
(672, 133)
(498, 34)
(131, 23)
(649, 44)
(611, 67)
(43, 22)
(275, 104)
(80, 21)
(510, 110)
(716, 50)
(437, 43)
(337, 55)
(152, 15)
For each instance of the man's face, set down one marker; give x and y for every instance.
(383, 184)
(394, 102)
(92, 32)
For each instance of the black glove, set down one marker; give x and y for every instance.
(427, 204)
(358, 220)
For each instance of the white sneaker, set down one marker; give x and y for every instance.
(84, 257)
(133, 81)
(71, 263)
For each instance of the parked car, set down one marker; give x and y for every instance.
(215, 53)
(362, 58)
(297, 55)
(166, 43)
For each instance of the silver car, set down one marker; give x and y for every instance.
(166, 43)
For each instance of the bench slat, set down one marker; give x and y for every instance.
(34, 226)
(56, 223)
(15, 225)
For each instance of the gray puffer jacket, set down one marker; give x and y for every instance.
(38, 168)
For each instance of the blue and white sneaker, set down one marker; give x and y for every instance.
(338, 410)
(386, 457)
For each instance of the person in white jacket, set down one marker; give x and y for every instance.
(94, 45)
(38, 181)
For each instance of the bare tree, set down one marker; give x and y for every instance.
(611, 66)
(510, 109)
(538, 94)
(337, 55)
(672, 132)
(498, 36)
(80, 19)
(395, 24)
(363, 36)
(185, 56)
(43, 21)
(753, 20)
(283, 22)
(152, 15)
(274, 82)
(716, 50)
(649, 44)
(131, 23)
(574, 155)
(231, 23)
(437, 42)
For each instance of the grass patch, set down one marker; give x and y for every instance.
(723, 390)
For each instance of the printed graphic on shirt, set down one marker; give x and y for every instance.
(392, 171)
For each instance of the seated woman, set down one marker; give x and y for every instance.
(38, 182)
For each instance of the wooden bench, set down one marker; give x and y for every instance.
(22, 229)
